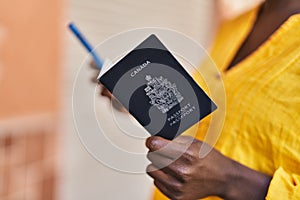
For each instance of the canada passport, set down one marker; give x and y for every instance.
(154, 87)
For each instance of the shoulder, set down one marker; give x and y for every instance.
(232, 24)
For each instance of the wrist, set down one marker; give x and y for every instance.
(243, 182)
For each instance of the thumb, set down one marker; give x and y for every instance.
(155, 143)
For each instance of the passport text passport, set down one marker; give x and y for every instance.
(154, 87)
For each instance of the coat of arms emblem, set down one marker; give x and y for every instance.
(162, 93)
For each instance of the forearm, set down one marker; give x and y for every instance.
(245, 183)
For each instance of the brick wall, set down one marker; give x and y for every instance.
(28, 164)
(30, 42)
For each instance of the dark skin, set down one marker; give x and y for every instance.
(271, 16)
(105, 92)
(190, 177)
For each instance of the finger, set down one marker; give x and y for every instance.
(178, 170)
(183, 139)
(159, 160)
(105, 92)
(165, 147)
(155, 143)
(93, 65)
(156, 173)
(173, 171)
(167, 184)
(117, 105)
(115, 102)
(94, 79)
(163, 189)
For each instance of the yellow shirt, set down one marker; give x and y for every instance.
(262, 124)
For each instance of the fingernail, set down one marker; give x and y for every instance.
(150, 142)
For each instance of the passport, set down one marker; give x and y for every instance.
(155, 88)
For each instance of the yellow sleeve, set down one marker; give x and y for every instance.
(284, 186)
(159, 196)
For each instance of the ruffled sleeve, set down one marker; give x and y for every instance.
(284, 186)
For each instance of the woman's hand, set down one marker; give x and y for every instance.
(105, 92)
(191, 177)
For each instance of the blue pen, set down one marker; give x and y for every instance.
(86, 44)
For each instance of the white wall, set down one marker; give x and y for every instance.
(232, 8)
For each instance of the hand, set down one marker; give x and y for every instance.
(105, 92)
(190, 177)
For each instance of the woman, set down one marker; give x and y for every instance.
(258, 153)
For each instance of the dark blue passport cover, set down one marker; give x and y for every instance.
(154, 87)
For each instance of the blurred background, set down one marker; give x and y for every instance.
(41, 156)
